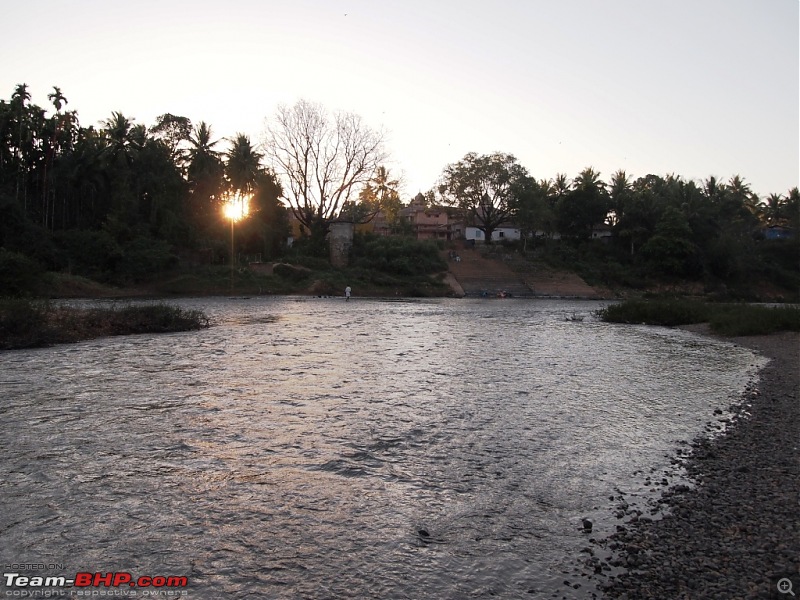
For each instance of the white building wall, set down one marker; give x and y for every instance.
(499, 234)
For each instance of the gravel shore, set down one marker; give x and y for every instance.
(737, 532)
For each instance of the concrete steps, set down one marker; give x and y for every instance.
(479, 276)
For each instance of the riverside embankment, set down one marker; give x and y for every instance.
(735, 533)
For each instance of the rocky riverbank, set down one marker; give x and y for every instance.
(737, 532)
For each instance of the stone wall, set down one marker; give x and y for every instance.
(340, 240)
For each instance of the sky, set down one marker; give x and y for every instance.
(691, 87)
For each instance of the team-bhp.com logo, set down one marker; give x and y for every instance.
(17, 581)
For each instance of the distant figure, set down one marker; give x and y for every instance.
(347, 293)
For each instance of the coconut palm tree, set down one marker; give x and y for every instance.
(123, 139)
(584, 206)
(205, 173)
(619, 192)
(123, 143)
(380, 194)
(561, 185)
(773, 210)
(588, 180)
(243, 164)
(385, 186)
(204, 160)
(793, 208)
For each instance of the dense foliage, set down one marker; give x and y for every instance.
(121, 202)
(397, 255)
(655, 229)
(484, 188)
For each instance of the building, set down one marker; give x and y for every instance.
(430, 223)
(778, 232)
(504, 231)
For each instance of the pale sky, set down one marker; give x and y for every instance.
(691, 87)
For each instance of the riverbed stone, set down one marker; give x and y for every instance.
(731, 533)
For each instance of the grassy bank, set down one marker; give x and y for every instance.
(287, 279)
(724, 319)
(36, 323)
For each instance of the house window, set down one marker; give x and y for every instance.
(501, 234)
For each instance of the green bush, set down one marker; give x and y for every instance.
(310, 246)
(29, 324)
(725, 319)
(396, 255)
(144, 257)
(90, 253)
(748, 319)
(19, 234)
(23, 323)
(153, 318)
(780, 253)
(668, 312)
(315, 263)
(19, 275)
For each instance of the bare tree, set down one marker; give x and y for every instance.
(322, 160)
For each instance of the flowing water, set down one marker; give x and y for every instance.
(316, 448)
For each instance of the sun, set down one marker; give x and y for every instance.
(235, 205)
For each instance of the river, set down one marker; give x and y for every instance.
(317, 448)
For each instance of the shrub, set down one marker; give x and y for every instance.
(19, 234)
(780, 253)
(310, 246)
(144, 257)
(725, 319)
(315, 263)
(19, 274)
(669, 312)
(23, 323)
(93, 254)
(153, 318)
(397, 255)
(748, 319)
(28, 324)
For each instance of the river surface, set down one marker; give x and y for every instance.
(317, 448)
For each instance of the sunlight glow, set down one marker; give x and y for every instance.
(236, 205)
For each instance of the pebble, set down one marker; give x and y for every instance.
(732, 532)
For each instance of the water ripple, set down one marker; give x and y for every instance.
(320, 449)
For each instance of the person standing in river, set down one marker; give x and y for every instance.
(347, 293)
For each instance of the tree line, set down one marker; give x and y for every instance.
(120, 201)
(663, 224)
